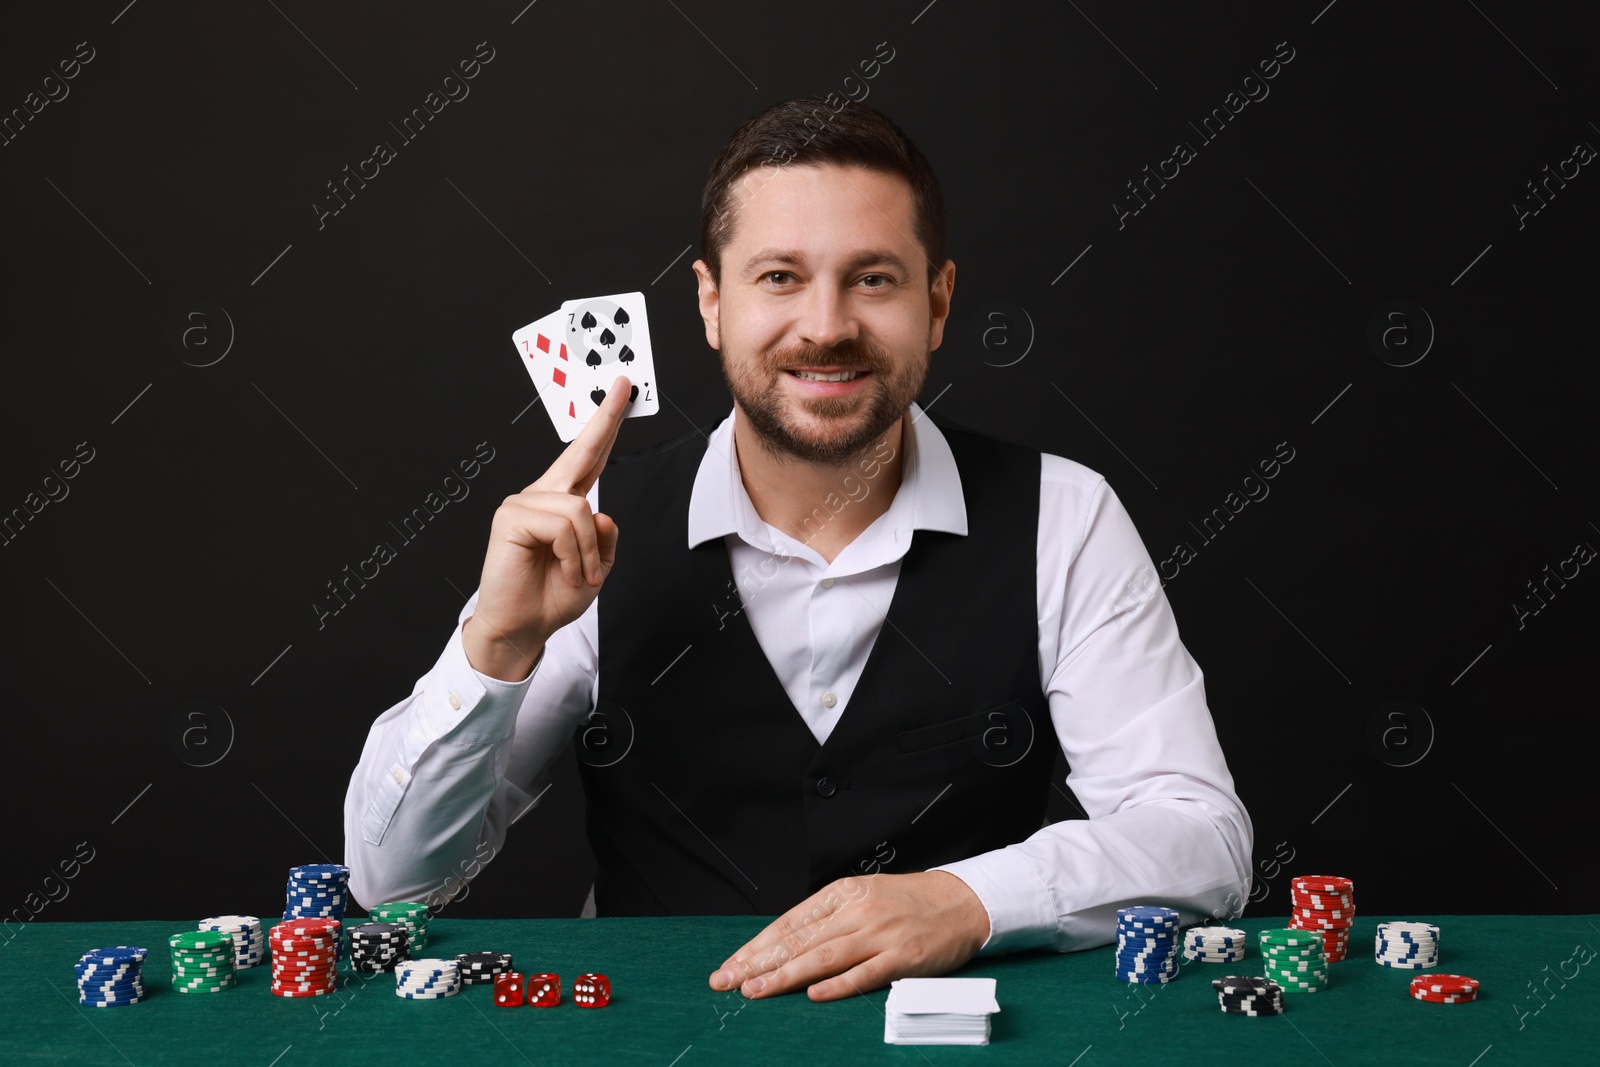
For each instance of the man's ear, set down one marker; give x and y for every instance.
(939, 293)
(710, 304)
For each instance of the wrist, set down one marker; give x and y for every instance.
(493, 654)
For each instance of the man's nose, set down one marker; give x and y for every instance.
(827, 318)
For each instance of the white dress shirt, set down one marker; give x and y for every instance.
(445, 771)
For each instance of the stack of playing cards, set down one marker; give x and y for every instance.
(574, 354)
(939, 1011)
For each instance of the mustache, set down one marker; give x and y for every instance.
(847, 355)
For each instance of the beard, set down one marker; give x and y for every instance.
(855, 423)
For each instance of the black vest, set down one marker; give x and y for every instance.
(707, 792)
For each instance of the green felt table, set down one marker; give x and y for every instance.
(1056, 1008)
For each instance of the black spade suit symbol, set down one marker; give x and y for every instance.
(597, 396)
(607, 338)
(621, 317)
(625, 354)
(593, 358)
(633, 394)
(588, 320)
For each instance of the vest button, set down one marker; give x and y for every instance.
(826, 786)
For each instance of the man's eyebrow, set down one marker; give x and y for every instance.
(794, 258)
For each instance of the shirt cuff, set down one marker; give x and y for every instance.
(468, 707)
(1021, 911)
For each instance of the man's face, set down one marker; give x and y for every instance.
(824, 279)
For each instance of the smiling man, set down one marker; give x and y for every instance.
(839, 641)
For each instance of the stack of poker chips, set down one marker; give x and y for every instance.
(378, 947)
(1410, 946)
(430, 979)
(111, 977)
(1213, 944)
(1294, 959)
(413, 917)
(318, 891)
(249, 945)
(1147, 945)
(1325, 903)
(202, 961)
(1245, 994)
(1444, 988)
(480, 968)
(305, 960)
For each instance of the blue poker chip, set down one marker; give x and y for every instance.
(320, 872)
(1148, 979)
(114, 954)
(82, 969)
(111, 994)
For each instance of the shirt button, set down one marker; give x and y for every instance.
(396, 774)
(455, 702)
(826, 786)
(828, 699)
(827, 583)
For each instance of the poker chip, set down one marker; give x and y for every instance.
(1444, 988)
(249, 944)
(203, 961)
(111, 977)
(1326, 904)
(1294, 959)
(1147, 945)
(1249, 995)
(305, 956)
(1407, 945)
(427, 979)
(413, 918)
(481, 968)
(378, 947)
(1214, 944)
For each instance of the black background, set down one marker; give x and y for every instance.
(366, 357)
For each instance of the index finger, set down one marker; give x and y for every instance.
(804, 922)
(582, 461)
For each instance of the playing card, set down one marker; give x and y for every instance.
(544, 353)
(607, 336)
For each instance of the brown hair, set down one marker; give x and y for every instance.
(809, 130)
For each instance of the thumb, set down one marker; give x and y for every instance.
(606, 535)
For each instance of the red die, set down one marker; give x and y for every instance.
(591, 991)
(544, 990)
(508, 989)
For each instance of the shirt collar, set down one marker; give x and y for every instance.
(929, 497)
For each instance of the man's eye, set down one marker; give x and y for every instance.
(881, 280)
(777, 276)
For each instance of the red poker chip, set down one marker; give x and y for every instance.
(1326, 913)
(1324, 903)
(1449, 984)
(305, 942)
(1322, 883)
(307, 926)
(1444, 998)
(300, 992)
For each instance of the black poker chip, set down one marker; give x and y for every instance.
(480, 968)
